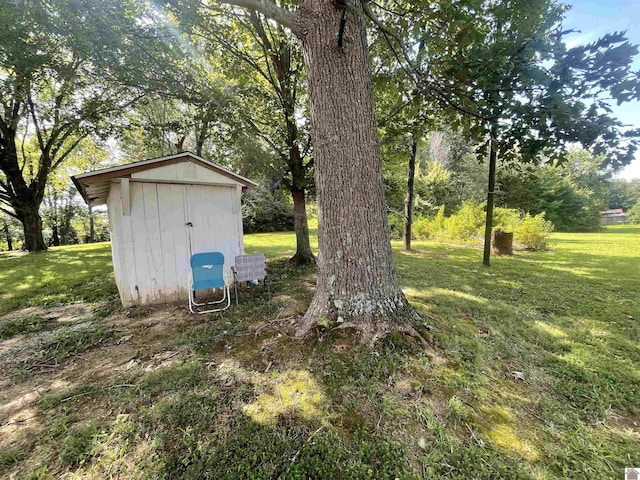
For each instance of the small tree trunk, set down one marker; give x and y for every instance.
(55, 238)
(92, 228)
(356, 284)
(408, 201)
(32, 223)
(201, 137)
(8, 237)
(303, 255)
(486, 261)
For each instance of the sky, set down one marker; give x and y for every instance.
(594, 18)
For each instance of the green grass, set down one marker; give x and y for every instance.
(22, 326)
(58, 276)
(539, 376)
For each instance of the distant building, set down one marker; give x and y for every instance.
(632, 473)
(613, 217)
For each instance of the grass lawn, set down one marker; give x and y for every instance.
(535, 372)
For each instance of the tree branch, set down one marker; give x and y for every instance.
(70, 149)
(265, 7)
(32, 109)
(9, 212)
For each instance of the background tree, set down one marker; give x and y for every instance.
(57, 64)
(527, 94)
(571, 193)
(264, 62)
(623, 193)
(10, 232)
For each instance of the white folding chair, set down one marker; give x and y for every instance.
(249, 268)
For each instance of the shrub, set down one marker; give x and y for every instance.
(425, 228)
(266, 212)
(534, 232)
(506, 219)
(467, 223)
(396, 225)
(633, 214)
(420, 229)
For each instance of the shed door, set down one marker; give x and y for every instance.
(163, 243)
(160, 241)
(215, 225)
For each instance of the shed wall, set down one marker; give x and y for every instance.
(184, 171)
(151, 246)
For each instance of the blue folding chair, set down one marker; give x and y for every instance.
(207, 272)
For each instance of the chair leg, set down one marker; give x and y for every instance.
(235, 289)
(218, 301)
(227, 297)
(191, 301)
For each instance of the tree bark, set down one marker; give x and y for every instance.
(25, 199)
(357, 285)
(285, 86)
(486, 260)
(408, 201)
(32, 223)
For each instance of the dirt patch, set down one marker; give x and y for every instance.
(66, 313)
(18, 349)
(139, 347)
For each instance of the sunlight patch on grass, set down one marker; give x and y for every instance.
(502, 433)
(461, 295)
(422, 295)
(114, 454)
(599, 332)
(555, 332)
(293, 392)
(574, 270)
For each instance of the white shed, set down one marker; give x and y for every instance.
(160, 212)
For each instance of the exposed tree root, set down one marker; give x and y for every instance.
(370, 334)
(270, 323)
(302, 259)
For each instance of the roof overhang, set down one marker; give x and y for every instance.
(94, 186)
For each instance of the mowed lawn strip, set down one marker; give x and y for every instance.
(535, 373)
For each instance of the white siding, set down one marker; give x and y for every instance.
(124, 266)
(151, 246)
(184, 172)
(210, 210)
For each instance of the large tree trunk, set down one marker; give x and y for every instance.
(356, 284)
(303, 255)
(26, 199)
(408, 201)
(32, 223)
(299, 181)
